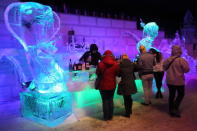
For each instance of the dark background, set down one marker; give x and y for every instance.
(168, 14)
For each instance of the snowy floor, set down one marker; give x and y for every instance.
(151, 118)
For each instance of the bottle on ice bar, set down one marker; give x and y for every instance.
(70, 65)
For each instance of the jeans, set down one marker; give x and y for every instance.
(158, 79)
(147, 86)
(174, 103)
(108, 104)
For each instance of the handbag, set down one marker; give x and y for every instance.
(98, 81)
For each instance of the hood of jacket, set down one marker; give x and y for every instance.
(176, 51)
(108, 58)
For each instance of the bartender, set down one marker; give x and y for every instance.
(92, 56)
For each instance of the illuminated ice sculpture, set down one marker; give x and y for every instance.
(150, 32)
(47, 100)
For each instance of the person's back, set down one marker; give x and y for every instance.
(146, 62)
(127, 86)
(108, 67)
(158, 71)
(126, 68)
(176, 67)
(127, 77)
(175, 72)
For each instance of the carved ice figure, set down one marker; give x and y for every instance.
(48, 75)
(31, 23)
(177, 40)
(181, 42)
(150, 32)
(34, 26)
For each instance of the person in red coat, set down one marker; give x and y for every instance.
(108, 68)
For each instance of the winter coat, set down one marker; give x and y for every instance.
(175, 72)
(127, 84)
(109, 69)
(158, 66)
(146, 62)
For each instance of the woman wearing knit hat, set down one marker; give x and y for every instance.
(108, 68)
(127, 86)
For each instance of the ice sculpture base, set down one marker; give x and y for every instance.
(49, 111)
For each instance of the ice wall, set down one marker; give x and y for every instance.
(106, 33)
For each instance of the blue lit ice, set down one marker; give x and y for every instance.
(150, 32)
(47, 100)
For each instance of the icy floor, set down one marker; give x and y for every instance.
(89, 118)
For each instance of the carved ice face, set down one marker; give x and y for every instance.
(31, 23)
(35, 13)
(151, 29)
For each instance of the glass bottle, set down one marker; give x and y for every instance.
(70, 65)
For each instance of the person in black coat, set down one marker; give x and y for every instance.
(127, 86)
(92, 56)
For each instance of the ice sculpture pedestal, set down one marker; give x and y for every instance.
(46, 110)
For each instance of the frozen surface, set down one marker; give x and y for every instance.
(150, 32)
(46, 110)
(34, 25)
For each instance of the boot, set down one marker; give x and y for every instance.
(172, 112)
(127, 115)
(175, 113)
(160, 95)
(157, 95)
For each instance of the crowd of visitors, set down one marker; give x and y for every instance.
(149, 65)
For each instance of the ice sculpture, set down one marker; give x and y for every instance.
(165, 48)
(34, 25)
(181, 42)
(178, 41)
(189, 30)
(150, 32)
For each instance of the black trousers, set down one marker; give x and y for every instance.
(108, 104)
(174, 102)
(128, 102)
(158, 79)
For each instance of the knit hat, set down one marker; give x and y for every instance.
(108, 58)
(142, 48)
(108, 53)
(176, 50)
(124, 56)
